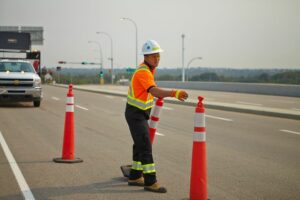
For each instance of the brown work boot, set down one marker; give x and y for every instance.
(136, 182)
(155, 188)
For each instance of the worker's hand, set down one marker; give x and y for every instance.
(180, 94)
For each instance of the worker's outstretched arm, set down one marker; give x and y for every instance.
(161, 93)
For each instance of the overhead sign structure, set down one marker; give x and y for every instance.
(15, 41)
(36, 32)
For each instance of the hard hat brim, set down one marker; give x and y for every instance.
(153, 52)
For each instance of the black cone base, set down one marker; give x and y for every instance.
(126, 170)
(60, 160)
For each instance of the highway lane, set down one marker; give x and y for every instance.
(249, 157)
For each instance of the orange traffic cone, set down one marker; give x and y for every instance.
(198, 187)
(154, 118)
(68, 145)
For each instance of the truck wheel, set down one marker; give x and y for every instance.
(37, 103)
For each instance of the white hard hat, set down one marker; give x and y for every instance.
(151, 47)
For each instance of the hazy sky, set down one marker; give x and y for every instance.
(226, 33)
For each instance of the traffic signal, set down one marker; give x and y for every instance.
(101, 74)
(130, 70)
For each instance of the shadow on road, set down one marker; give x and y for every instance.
(117, 185)
(16, 105)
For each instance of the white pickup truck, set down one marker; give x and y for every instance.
(19, 82)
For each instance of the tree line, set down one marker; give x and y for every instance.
(289, 77)
(280, 78)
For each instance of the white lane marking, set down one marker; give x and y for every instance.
(296, 109)
(220, 118)
(16, 170)
(55, 98)
(124, 99)
(160, 134)
(282, 101)
(110, 97)
(83, 108)
(209, 99)
(248, 103)
(288, 131)
(167, 108)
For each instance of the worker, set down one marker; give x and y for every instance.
(141, 93)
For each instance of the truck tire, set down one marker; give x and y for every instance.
(36, 103)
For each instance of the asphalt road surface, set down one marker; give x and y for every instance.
(248, 156)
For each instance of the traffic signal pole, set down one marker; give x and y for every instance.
(101, 75)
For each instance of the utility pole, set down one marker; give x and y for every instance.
(183, 74)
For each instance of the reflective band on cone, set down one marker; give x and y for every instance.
(68, 144)
(70, 100)
(198, 185)
(154, 118)
(70, 108)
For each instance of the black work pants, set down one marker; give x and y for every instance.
(142, 148)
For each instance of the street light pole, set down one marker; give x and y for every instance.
(183, 74)
(195, 58)
(101, 56)
(136, 39)
(111, 55)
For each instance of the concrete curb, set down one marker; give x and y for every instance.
(212, 105)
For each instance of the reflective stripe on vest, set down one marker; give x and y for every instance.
(131, 100)
(137, 165)
(149, 168)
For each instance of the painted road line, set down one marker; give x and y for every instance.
(83, 108)
(16, 170)
(298, 109)
(124, 99)
(110, 97)
(248, 103)
(55, 98)
(281, 101)
(288, 131)
(167, 108)
(160, 134)
(220, 118)
(209, 99)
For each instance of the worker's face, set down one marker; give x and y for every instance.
(153, 59)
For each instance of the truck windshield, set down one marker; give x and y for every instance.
(16, 67)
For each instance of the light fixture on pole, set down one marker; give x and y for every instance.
(195, 58)
(111, 55)
(136, 38)
(101, 59)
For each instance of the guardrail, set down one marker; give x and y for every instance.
(252, 88)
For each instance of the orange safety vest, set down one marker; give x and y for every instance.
(137, 95)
